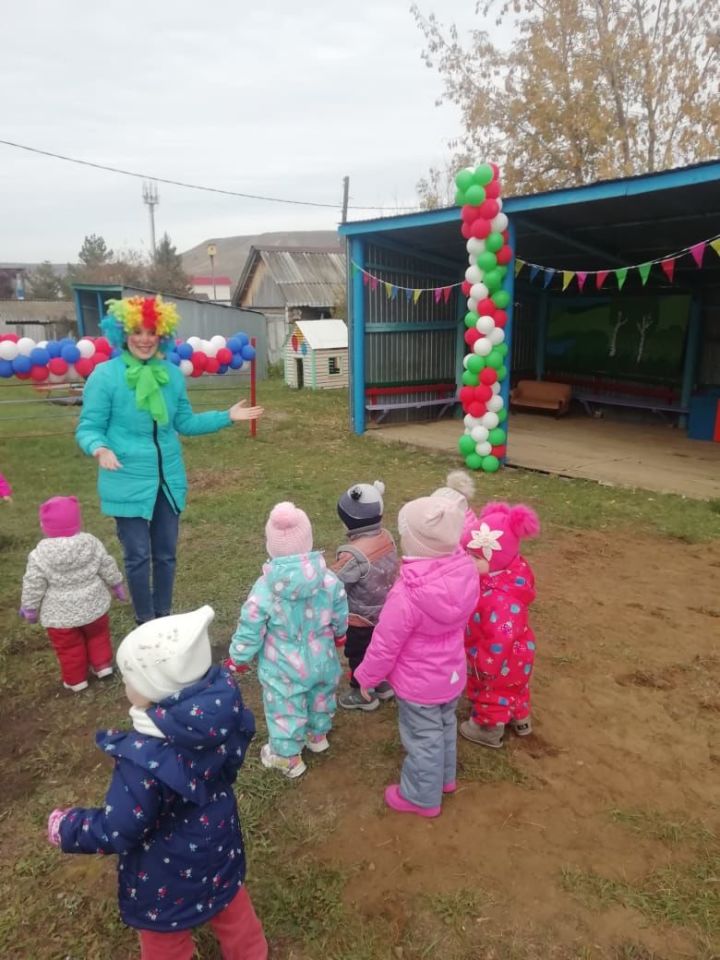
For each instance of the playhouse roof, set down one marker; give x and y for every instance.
(305, 276)
(324, 334)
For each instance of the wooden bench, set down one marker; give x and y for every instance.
(408, 402)
(542, 395)
(656, 405)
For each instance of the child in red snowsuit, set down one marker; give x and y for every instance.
(499, 642)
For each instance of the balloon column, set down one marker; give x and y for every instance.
(484, 227)
(59, 361)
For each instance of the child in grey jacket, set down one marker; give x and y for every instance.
(66, 587)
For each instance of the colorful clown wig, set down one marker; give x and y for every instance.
(133, 314)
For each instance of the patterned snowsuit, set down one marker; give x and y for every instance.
(500, 646)
(294, 614)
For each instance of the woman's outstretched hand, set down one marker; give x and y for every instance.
(107, 459)
(241, 411)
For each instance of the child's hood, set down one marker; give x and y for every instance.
(445, 589)
(205, 726)
(66, 553)
(296, 577)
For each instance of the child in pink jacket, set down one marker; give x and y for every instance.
(417, 646)
(499, 641)
(5, 490)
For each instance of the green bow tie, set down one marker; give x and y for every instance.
(146, 379)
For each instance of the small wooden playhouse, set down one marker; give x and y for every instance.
(316, 355)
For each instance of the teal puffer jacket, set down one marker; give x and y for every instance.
(150, 455)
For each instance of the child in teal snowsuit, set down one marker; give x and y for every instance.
(294, 619)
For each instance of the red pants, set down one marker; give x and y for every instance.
(493, 704)
(237, 928)
(76, 647)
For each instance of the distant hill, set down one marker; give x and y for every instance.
(232, 251)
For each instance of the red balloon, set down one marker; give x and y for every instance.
(466, 231)
(489, 209)
(488, 376)
(199, 359)
(23, 376)
(504, 255)
(468, 213)
(465, 287)
(476, 409)
(58, 366)
(14, 337)
(224, 355)
(471, 336)
(38, 374)
(495, 168)
(501, 318)
(102, 345)
(492, 190)
(467, 395)
(85, 366)
(482, 391)
(480, 228)
(212, 365)
(500, 451)
(196, 372)
(486, 308)
(100, 357)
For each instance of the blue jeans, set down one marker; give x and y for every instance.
(145, 543)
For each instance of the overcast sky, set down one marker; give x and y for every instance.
(277, 97)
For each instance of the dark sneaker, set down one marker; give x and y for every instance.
(352, 699)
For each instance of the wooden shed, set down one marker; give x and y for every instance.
(316, 355)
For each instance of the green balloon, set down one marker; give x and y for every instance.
(474, 461)
(483, 174)
(497, 437)
(492, 280)
(502, 349)
(493, 242)
(471, 318)
(466, 445)
(493, 359)
(470, 379)
(502, 373)
(490, 464)
(486, 260)
(476, 363)
(459, 198)
(464, 179)
(502, 415)
(474, 196)
(502, 270)
(501, 299)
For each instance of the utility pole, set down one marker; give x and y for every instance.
(346, 197)
(151, 198)
(212, 250)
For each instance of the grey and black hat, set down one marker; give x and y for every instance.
(362, 505)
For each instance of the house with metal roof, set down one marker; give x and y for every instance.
(288, 284)
(316, 355)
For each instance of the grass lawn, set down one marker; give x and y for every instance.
(511, 869)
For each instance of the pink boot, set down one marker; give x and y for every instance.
(450, 787)
(396, 801)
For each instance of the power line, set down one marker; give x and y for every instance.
(182, 183)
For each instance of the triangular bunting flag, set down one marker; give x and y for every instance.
(366, 278)
(567, 278)
(374, 283)
(698, 252)
(581, 278)
(621, 276)
(534, 271)
(600, 278)
(416, 295)
(446, 294)
(388, 289)
(438, 294)
(549, 274)
(409, 294)
(394, 293)
(668, 268)
(519, 264)
(715, 244)
(644, 271)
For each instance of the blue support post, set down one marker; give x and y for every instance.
(357, 256)
(79, 315)
(509, 285)
(692, 348)
(541, 341)
(461, 347)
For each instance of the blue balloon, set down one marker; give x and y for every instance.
(248, 352)
(243, 338)
(223, 368)
(70, 353)
(234, 344)
(174, 357)
(184, 351)
(236, 362)
(66, 342)
(6, 369)
(39, 357)
(21, 364)
(53, 348)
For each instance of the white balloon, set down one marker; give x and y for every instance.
(495, 404)
(485, 324)
(194, 342)
(499, 223)
(465, 360)
(498, 201)
(474, 275)
(470, 422)
(186, 366)
(479, 291)
(8, 350)
(86, 348)
(483, 449)
(496, 388)
(472, 304)
(496, 335)
(474, 246)
(42, 343)
(479, 434)
(218, 341)
(25, 345)
(489, 420)
(482, 347)
(206, 348)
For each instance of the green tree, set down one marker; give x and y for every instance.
(94, 251)
(165, 273)
(588, 89)
(101, 265)
(43, 283)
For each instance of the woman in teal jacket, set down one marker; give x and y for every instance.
(134, 407)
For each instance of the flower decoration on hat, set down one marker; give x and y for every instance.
(134, 314)
(485, 540)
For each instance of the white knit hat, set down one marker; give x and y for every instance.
(430, 527)
(162, 656)
(460, 489)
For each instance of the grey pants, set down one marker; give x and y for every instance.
(429, 735)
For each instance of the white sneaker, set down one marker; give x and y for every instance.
(291, 767)
(103, 672)
(317, 742)
(76, 687)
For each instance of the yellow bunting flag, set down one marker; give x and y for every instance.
(715, 244)
(567, 278)
(519, 264)
(388, 289)
(416, 295)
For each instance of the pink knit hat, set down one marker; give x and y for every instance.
(288, 531)
(430, 527)
(60, 517)
(498, 532)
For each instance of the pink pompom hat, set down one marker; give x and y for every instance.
(498, 533)
(288, 531)
(60, 517)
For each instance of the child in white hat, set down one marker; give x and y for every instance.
(170, 812)
(294, 618)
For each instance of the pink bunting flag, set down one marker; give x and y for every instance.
(698, 251)
(581, 278)
(600, 278)
(438, 294)
(446, 294)
(366, 279)
(668, 268)
(374, 283)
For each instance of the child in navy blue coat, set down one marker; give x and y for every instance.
(170, 813)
